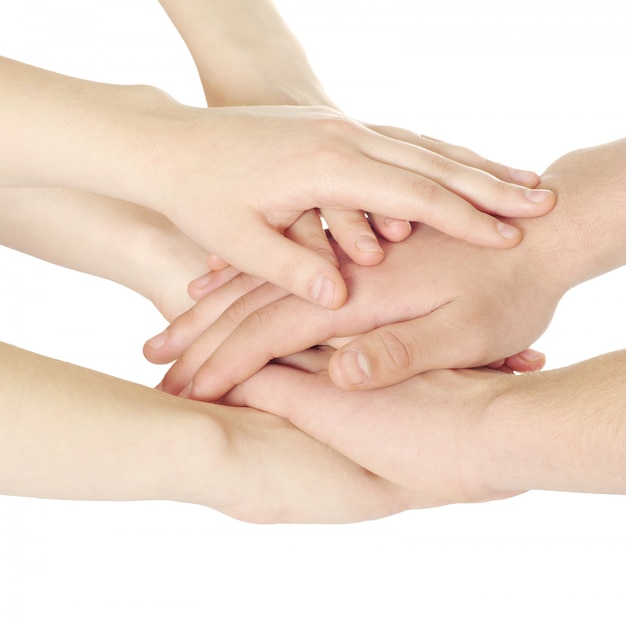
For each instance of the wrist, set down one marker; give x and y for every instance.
(583, 236)
(246, 54)
(559, 430)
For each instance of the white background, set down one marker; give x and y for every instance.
(520, 82)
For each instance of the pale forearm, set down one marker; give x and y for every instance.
(245, 53)
(72, 433)
(562, 430)
(60, 131)
(102, 236)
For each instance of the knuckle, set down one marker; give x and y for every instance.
(442, 168)
(428, 193)
(396, 354)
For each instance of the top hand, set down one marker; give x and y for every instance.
(438, 302)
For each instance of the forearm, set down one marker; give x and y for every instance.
(102, 236)
(72, 433)
(60, 131)
(245, 53)
(562, 430)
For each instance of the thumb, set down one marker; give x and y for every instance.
(390, 354)
(302, 271)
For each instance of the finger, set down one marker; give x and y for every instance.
(215, 263)
(354, 234)
(526, 361)
(209, 282)
(462, 155)
(390, 354)
(170, 344)
(483, 190)
(391, 191)
(393, 230)
(272, 256)
(254, 338)
(309, 232)
(193, 360)
(314, 360)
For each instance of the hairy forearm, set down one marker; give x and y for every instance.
(245, 53)
(562, 430)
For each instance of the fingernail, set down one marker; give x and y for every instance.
(354, 367)
(368, 243)
(397, 225)
(158, 341)
(329, 256)
(530, 355)
(538, 196)
(523, 176)
(203, 281)
(507, 231)
(323, 291)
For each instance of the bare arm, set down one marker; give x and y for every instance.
(106, 237)
(245, 53)
(190, 164)
(465, 435)
(71, 433)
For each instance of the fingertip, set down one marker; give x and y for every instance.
(153, 348)
(542, 200)
(395, 230)
(524, 177)
(509, 234)
(216, 263)
(349, 369)
(328, 292)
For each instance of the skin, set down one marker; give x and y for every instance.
(108, 439)
(123, 242)
(464, 435)
(246, 55)
(71, 433)
(434, 303)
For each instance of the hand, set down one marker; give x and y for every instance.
(464, 305)
(478, 303)
(426, 434)
(83, 435)
(294, 159)
(454, 436)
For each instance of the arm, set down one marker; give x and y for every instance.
(137, 144)
(71, 433)
(106, 237)
(434, 303)
(247, 55)
(465, 435)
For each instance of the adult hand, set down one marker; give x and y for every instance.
(228, 41)
(472, 303)
(452, 436)
(294, 159)
(445, 304)
(427, 434)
